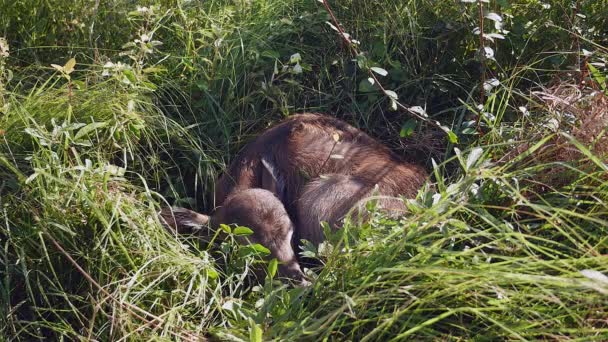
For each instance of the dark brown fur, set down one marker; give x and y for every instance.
(312, 151)
(318, 167)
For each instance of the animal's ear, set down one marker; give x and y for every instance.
(272, 180)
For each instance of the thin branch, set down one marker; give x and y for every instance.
(482, 59)
(355, 52)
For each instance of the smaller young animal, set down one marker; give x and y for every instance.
(255, 208)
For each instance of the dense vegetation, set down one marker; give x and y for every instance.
(111, 109)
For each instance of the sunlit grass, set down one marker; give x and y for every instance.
(507, 242)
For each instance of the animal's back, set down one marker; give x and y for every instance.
(305, 146)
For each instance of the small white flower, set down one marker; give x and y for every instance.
(524, 110)
(488, 52)
(489, 116)
(297, 69)
(436, 198)
(474, 189)
(490, 84)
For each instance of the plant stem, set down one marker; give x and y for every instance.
(482, 58)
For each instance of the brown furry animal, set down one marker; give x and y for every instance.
(318, 167)
(311, 151)
(257, 209)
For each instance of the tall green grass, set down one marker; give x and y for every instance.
(507, 242)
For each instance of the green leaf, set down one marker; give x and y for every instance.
(598, 76)
(407, 129)
(84, 131)
(273, 265)
(135, 129)
(69, 66)
(154, 70)
(130, 75)
(365, 86)
(260, 249)
(379, 71)
(452, 137)
(242, 231)
(255, 332)
(149, 85)
(226, 228)
(212, 273)
(361, 61)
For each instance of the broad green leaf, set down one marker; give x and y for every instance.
(255, 332)
(407, 128)
(212, 273)
(260, 249)
(452, 137)
(365, 86)
(242, 231)
(361, 61)
(130, 75)
(226, 228)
